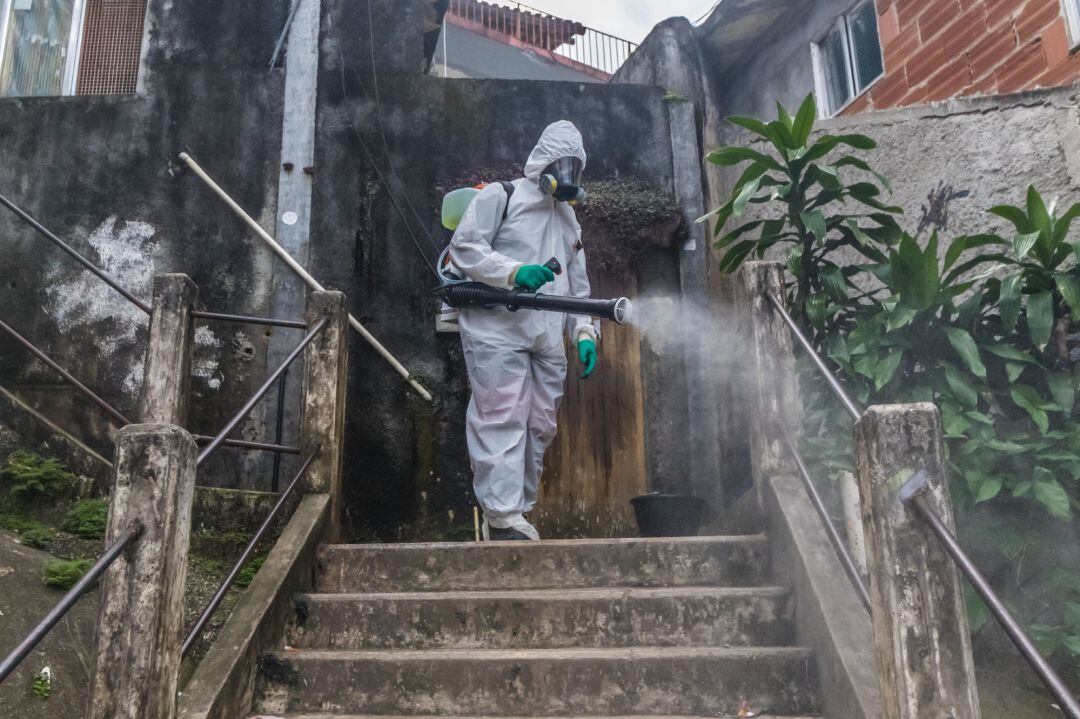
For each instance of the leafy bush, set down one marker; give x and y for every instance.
(247, 574)
(31, 533)
(88, 518)
(29, 474)
(64, 573)
(979, 325)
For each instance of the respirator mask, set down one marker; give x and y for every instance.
(562, 180)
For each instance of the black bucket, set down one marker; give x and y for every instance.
(668, 515)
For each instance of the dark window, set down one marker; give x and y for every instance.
(849, 56)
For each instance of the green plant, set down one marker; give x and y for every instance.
(29, 474)
(979, 325)
(247, 574)
(64, 573)
(88, 518)
(42, 684)
(31, 533)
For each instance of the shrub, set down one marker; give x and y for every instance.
(64, 573)
(88, 518)
(29, 474)
(38, 536)
(247, 574)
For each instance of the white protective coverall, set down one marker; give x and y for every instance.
(516, 360)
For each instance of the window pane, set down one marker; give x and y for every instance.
(36, 50)
(834, 55)
(867, 48)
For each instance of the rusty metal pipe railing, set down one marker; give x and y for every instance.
(835, 540)
(114, 413)
(12, 660)
(220, 438)
(219, 595)
(913, 494)
(245, 320)
(68, 377)
(834, 384)
(101, 275)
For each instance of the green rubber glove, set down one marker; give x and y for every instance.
(586, 352)
(533, 277)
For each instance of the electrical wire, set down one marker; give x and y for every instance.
(382, 129)
(378, 173)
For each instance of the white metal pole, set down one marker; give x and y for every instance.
(302, 273)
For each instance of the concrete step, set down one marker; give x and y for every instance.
(548, 618)
(731, 561)
(642, 716)
(552, 682)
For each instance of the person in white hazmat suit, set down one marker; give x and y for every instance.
(516, 360)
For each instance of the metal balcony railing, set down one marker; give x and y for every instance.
(565, 38)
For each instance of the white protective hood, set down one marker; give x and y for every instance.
(560, 139)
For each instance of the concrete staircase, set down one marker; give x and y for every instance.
(672, 627)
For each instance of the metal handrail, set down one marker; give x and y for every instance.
(219, 439)
(116, 415)
(846, 560)
(596, 50)
(12, 660)
(245, 320)
(913, 494)
(834, 384)
(25, 217)
(219, 595)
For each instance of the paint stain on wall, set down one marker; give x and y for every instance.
(125, 250)
(205, 364)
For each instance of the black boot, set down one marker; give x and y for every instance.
(504, 535)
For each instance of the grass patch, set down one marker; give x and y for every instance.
(31, 533)
(28, 474)
(64, 573)
(207, 565)
(88, 518)
(247, 574)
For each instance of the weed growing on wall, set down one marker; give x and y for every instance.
(87, 518)
(27, 474)
(64, 573)
(982, 325)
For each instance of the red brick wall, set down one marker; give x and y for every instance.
(937, 49)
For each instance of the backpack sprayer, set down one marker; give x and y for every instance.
(458, 294)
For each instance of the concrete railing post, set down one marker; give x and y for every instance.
(137, 646)
(166, 383)
(770, 370)
(326, 363)
(920, 623)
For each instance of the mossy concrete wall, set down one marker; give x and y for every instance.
(101, 172)
(434, 129)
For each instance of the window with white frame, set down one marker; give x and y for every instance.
(69, 47)
(1072, 17)
(847, 59)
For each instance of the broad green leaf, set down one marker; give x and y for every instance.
(1072, 643)
(977, 612)
(1022, 488)
(1009, 302)
(961, 387)
(743, 199)
(1069, 287)
(734, 155)
(833, 279)
(783, 116)
(1040, 316)
(1027, 398)
(1010, 353)
(1054, 497)
(900, 317)
(960, 245)
(1061, 225)
(1014, 215)
(886, 368)
(759, 128)
(794, 260)
(736, 234)
(1071, 612)
(1037, 213)
(815, 223)
(1022, 244)
(988, 490)
(964, 345)
(1061, 386)
(829, 178)
(1013, 370)
(804, 120)
(735, 256)
(783, 131)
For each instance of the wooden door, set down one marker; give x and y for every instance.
(597, 462)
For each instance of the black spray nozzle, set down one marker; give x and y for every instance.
(476, 294)
(554, 265)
